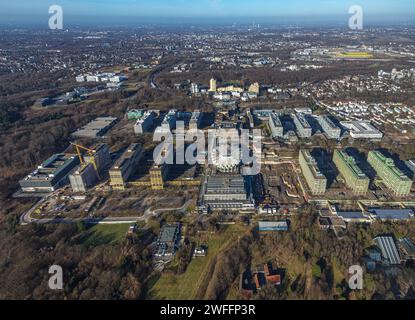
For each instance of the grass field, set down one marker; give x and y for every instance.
(354, 55)
(100, 234)
(186, 285)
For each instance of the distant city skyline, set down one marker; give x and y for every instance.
(207, 11)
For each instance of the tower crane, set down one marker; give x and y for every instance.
(90, 152)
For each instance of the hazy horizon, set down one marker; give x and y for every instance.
(208, 12)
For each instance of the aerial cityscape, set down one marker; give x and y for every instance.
(231, 158)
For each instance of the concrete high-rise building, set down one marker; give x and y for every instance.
(83, 178)
(158, 174)
(277, 130)
(101, 156)
(125, 166)
(353, 175)
(144, 123)
(213, 85)
(303, 127)
(391, 176)
(329, 127)
(316, 181)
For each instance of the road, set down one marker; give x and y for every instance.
(26, 218)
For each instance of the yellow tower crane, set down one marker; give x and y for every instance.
(90, 152)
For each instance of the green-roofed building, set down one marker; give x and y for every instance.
(135, 114)
(391, 176)
(354, 177)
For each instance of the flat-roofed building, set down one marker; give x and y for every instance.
(277, 130)
(125, 166)
(83, 178)
(354, 177)
(362, 130)
(144, 123)
(387, 246)
(168, 241)
(316, 181)
(96, 128)
(391, 176)
(228, 192)
(273, 225)
(50, 175)
(329, 127)
(304, 129)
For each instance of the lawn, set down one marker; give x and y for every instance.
(186, 285)
(101, 234)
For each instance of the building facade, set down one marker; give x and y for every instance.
(332, 131)
(354, 177)
(50, 175)
(316, 181)
(391, 176)
(83, 178)
(277, 130)
(144, 123)
(304, 129)
(125, 166)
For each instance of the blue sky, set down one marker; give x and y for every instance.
(16, 10)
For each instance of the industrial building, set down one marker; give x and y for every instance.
(83, 178)
(316, 181)
(50, 175)
(195, 120)
(391, 176)
(304, 129)
(228, 192)
(168, 241)
(125, 166)
(329, 127)
(277, 130)
(387, 246)
(144, 123)
(96, 128)
(354, 177)
(362, 130)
